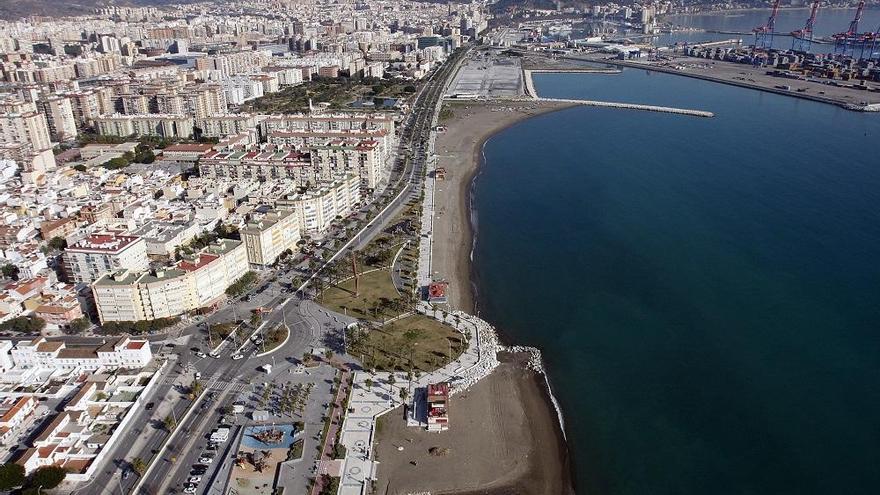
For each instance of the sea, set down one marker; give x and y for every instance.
(706, 291)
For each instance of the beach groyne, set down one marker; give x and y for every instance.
(633, 106)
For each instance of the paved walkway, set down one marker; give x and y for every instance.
(375, 394)
(335, 422)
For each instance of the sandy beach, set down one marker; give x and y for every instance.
(505, 436)
(503, 439)
(459, 151)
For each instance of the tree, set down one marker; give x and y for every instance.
(139, 466)
(10, 271)
(46, 477)
(11, 476)
(24, 324)
(196, 388)
(403, 394)
(169, 422)
(369, 383)
(116, 163)
(79, 167)
(79, 325)
(57, 243)
(391, 379)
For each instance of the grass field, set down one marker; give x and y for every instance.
(428, 342)
(373, 302)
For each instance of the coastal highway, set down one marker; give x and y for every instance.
(413, 143)
(309, 327)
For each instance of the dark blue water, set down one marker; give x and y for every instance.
(706, 291)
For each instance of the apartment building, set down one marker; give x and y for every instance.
(162, 125)
(328, 122)
(278, 163)
(195, 282)
(13, 412)
(59, 117)
(303, 139)
(362, 157)
(123, 352)
(225, 124)
(319, 207)
(91, 258)
(24, 136)
(205, 100)
(271, 235)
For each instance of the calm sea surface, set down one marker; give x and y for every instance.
(706, 291)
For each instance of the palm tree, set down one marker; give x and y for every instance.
(139, 466)
(195, 388)
(169, 422)
(369, 383)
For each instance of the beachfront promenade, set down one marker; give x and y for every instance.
(372, 394)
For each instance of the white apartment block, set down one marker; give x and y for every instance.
(98, 254)
(162, 125)
(318, 208)
(205, 100)
(24, 136)
(362, 157)
(287, 76)
(123, 352)
(195, 282)
(328, 122)
(270, 164)
(225, 125)
(270, 236)
(13, 412)
(59, 117)
(240, 89)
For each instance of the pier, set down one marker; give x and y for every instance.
(633, 106)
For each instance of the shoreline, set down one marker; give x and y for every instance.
(461, 152)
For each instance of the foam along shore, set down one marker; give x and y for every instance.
(531, 450)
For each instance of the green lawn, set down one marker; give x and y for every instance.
(390, 347)
(375, 293)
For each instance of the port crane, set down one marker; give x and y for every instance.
(764, 34)
(802, 39)
(846, 42)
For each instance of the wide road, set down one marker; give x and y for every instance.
(309, 328)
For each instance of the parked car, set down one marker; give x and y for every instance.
(149, 406)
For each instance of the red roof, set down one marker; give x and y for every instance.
(202, 260)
